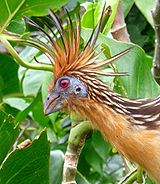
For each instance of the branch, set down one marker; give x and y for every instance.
(76, 140)
(129, 178)
(156, 60)
(118, 30)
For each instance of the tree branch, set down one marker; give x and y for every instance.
(76, 140)
(118, 30)
(156, 60)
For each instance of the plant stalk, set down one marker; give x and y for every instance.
(76, 140)
(156, 60)
(118, 30)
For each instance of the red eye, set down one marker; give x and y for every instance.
(64, 83)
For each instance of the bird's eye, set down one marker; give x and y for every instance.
(64, 83)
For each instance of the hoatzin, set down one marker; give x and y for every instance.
(130, 125)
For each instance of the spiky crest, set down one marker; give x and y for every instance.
(66, 57)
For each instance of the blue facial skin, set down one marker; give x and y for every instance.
(53, 102)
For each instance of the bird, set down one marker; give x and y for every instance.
(132, 126)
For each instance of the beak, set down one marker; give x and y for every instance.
(51, 103)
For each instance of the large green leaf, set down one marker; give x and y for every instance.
(8, 134)
(28, 165)
(18, 8)
(114, 168)
(39, 8)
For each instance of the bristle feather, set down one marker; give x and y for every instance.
(66, 56)
(107, 61)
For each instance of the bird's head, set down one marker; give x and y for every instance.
(64, 89)
(74, 71)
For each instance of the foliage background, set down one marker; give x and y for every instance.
(22, 93)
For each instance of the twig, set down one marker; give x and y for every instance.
(156, 60)
(118, 30)
(20, 134)
(129, 178)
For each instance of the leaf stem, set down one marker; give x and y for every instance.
(140, 174)
(10, 17)
(129, 178)
(15, 55)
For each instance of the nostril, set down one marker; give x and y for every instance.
(48, 98)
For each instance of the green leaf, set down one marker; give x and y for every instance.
(18, 8)
(89, 5)
(149, 181)
(18, 103)
(28, 165)
(38, 115)
(134, 26)
(81, 179)
(23, 114)
(17, 26)
(56, 167)
(8, 76)
(31, 79)
(46, 82)
(51, 135)
(27, 55)
(86, 21)
(149, 5)
(101, 147)
(93, 158)
(127, 4)
(39, 8)
(32, 82)
(8, 134)
(114, 167)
